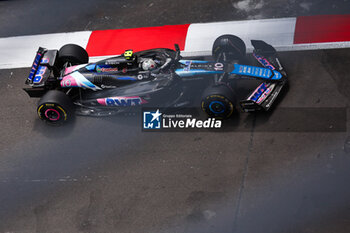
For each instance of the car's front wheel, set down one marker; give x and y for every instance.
(227, 48)
(218, 101)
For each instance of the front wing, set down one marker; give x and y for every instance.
(262, 97)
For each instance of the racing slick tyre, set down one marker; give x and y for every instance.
(74, 54)
(55, 107)
(218, 101)
(228, 47)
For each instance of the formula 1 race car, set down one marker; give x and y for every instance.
(67, 83)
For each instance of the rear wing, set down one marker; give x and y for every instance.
(41, 68)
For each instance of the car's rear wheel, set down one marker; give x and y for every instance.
(218, 101)
(227, 48)
(73, 54)
(55, 107)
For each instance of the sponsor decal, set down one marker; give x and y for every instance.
(156, 120)
(263, 61)
(252, 71)
(257, 72)
(188, 65)
(274, 96)
(112, 62)
(219, 66)
(107, 86)
(277, 75)
(183, 73)
(121, 101)
(90, 67)
(103, 69)
(45, 61)
(258, 92)
(142, 76)
(34, 66)
(39, 74)
(264, 95)
(67, 83)
(78, 80)
(193, 62)
(261, 93)
(192, 68)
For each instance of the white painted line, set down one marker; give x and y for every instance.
(19, 51)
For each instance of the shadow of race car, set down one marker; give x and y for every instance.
(68, 84)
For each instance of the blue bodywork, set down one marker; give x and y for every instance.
(191, 68)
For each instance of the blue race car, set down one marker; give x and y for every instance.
(67, 83)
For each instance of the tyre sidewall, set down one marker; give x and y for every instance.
(73, 54)
(232, 45)
(226, 104)
(45, 109)
(60, 104)
(218, 95)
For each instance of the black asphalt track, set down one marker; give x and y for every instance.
(286, 171)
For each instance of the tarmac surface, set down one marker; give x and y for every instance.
(286, 171)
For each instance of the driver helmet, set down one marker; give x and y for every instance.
(129, 54)
(148, 64)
